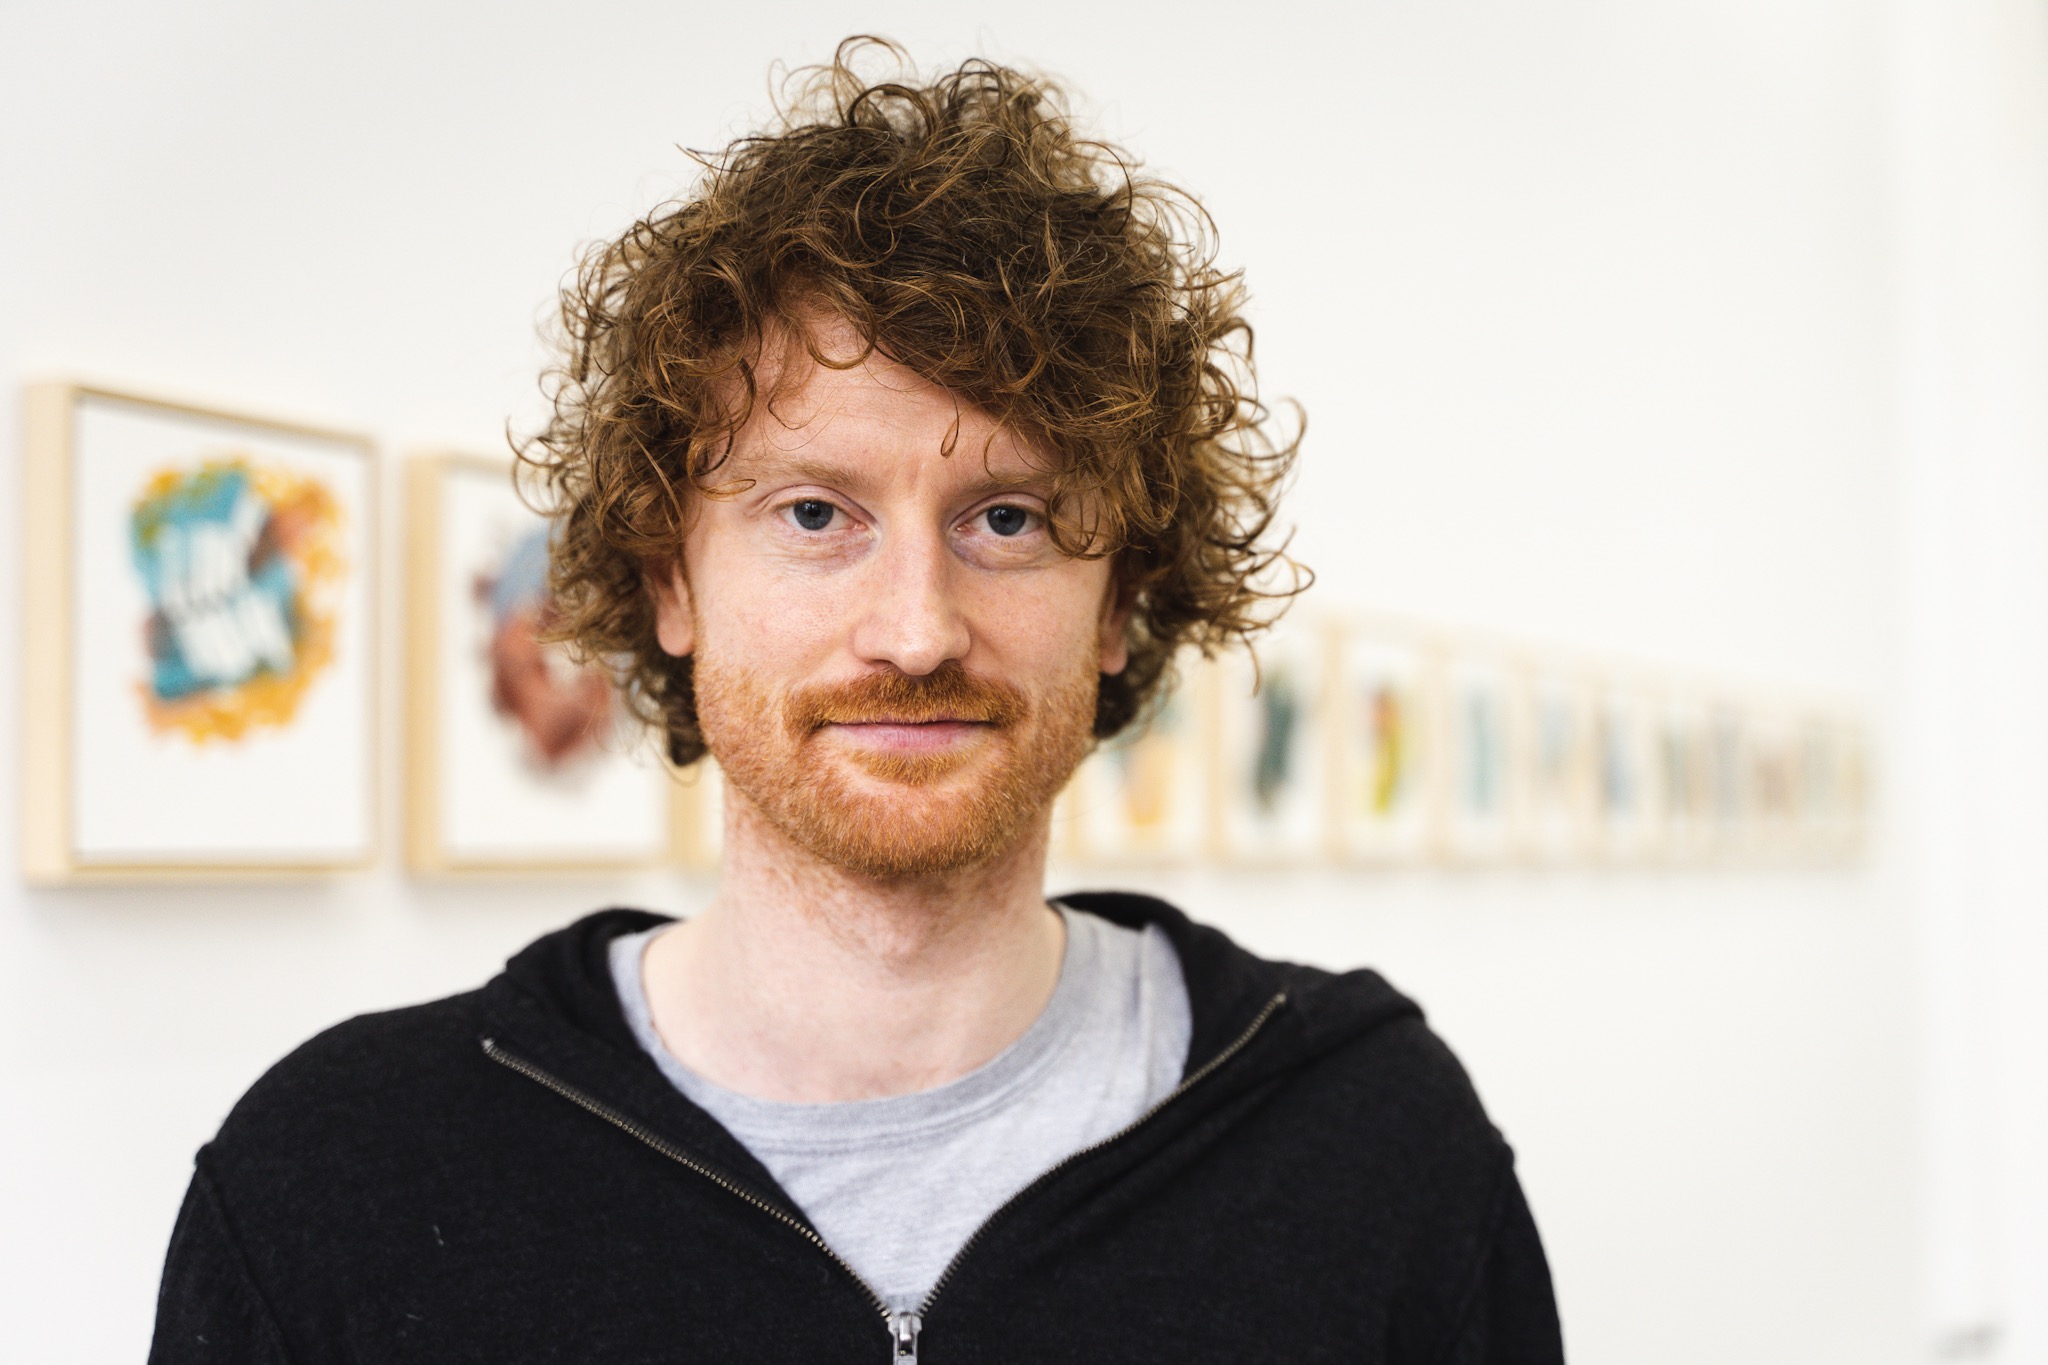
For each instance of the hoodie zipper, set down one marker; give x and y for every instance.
(904, 1328)
(681, 1157)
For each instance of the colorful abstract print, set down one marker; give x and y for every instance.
(240, 563)
(564, 710)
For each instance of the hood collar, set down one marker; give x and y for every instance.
(566, 977)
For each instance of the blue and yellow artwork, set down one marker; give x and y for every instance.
(237, 561)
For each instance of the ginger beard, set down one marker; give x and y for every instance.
(896, 815)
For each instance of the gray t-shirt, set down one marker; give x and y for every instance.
(896, 1185)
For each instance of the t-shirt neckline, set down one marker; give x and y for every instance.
(800, 1126)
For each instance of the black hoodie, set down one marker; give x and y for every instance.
(504, 1176)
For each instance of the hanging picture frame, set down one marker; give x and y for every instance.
(1729, 825)
(1558, 758)
(200, 693)
(519, 758)
(1628, 807)
(1773, 780)
(1388, 732)
(1274, 806)
(1146, 795)
(1486, 756)
(1854, 779)
(1681, 740)
(1832, 782)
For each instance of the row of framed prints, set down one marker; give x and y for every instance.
(1369, 741)
(201, 698)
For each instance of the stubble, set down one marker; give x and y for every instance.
(892, 816)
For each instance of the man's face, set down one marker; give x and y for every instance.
(894, 665)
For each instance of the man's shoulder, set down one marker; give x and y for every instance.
(1347, 1042)
(359, 1078)
(390, 1081)
(1366, 1051)
(1370, 1104)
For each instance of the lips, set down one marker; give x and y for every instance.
(900, 736)
(909, 720)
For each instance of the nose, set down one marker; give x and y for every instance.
(911, 618)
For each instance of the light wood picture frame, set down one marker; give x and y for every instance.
(1556, 703)
(1389, 738)
(1729, 829)
(518, 759)
(1146, 796)
(1773, 780)
(1681, 742)
(1485, 755)
(1275, 756)
(200, 641)
(1833, 782)
(1628, 808)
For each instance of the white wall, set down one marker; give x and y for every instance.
(1973, 123)
(1591, 304)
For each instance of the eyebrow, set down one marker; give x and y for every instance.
(758, 468)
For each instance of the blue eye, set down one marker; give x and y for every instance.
(1007, 521)
(813, 514)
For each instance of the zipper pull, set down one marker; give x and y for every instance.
(904, 1327)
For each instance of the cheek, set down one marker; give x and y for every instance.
(1049, 622)
(755, 619)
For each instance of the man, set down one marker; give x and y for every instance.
(892, 469)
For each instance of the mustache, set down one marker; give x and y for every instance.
(948, 692)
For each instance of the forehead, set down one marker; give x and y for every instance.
(871, 415)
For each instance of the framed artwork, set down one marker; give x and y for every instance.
(1728, 787)
(1826, 790)
(518, 758)
(1485, 757)
(1146, 796)
(200, 689)
(1774, 782)
(1273, 747)
(1388, 727)
(1627, 807)
(1558, 704)
(1684, 776)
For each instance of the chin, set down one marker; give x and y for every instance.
(898, 844)
(889, 828)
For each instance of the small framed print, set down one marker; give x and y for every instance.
(1274, 750)
(519, 757)
(1831, 782)
(1773, 781)
(1684, 775)
(1485, 756)
(1818, 777)
(1146, 795)
(1560, 762)
(1728, 786)
(1627, 807)
(1388, 726)
(200, 689)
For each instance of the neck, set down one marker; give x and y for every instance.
(805, 982)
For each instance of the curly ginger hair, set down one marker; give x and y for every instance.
(964, 230)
